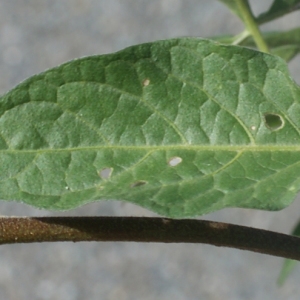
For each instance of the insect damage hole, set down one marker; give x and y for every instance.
(273, 121)
(174, 161)
(105, 173)
(138, 183)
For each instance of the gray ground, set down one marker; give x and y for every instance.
(35, 35)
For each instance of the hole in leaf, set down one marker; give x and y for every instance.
(174, 161)
(273, 121)
(105, 173)
(138, 183)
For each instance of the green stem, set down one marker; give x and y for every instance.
(240, 37)
(251, 25)
(134, 229)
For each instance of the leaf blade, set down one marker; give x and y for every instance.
(134, 110)
(278, 9)
(285, 44)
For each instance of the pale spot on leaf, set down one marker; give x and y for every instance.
(105, 173)
(174, 161)
(146, 82)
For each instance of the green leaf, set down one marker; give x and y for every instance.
(182, 127)
(284, 44)
(283, 38)
(289, 264)
(287, 52)
(278, 9)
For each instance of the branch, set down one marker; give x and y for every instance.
(141, 229)
(251, 25)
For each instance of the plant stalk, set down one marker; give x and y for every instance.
(240, 37)
(139, 229)
(251, 25)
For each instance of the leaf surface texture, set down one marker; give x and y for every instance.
(182, 127)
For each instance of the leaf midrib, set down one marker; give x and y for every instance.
(231, 148)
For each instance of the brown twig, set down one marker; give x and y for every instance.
(140, 229)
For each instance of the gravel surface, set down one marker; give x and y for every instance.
(36, 35)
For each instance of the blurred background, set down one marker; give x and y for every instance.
(36, 35)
